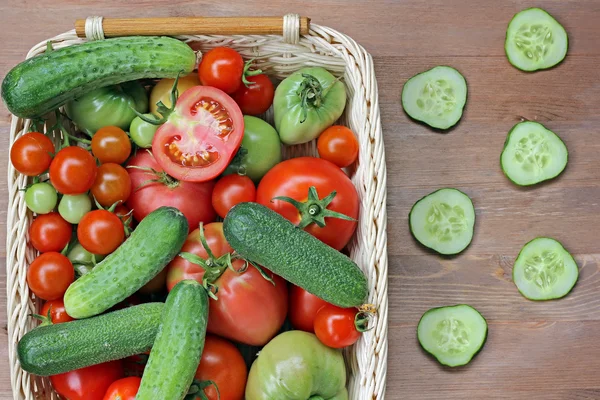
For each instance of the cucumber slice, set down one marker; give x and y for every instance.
(535, 40)
(533, 154)
(544, 270)
(452, 334)
(443, 221)
(436, 97)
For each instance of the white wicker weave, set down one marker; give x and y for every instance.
(278, 56)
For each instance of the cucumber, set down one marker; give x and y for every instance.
(533, 154)
(436, 97)
(179, 343)
(54, 349)
(264, 237)
(535, 40)
(452, 334)
(45, 82)
(544, 270)
(154, 243)
(443, 221)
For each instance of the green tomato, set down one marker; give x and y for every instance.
(261, 150)
(296, 366)
(142, 132)
(79, 255)
(306, 103)
(107, 106)
(41, 198)
(73, 208)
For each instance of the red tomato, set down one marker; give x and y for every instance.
(200, 137)
(50, 275)
(257, 97)
(58, 314)
(73, 170)
(231, 190)
(221, 68)
(338, 145)
(111, 144)
(112, 184)
(294, 177)
(100, 232)
(223, 364)
(31, 154)
(303, 309)
(123, 389)
(125, 214)
(50, 232)
(249, 309)
(192, 199)
(335, 326)
(89, 383)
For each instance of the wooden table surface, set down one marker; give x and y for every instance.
(540, 351)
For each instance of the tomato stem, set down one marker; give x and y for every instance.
(364, 316)
(197, 388)
(46, 319)
(248, 73)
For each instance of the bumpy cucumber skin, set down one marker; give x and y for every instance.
(179, 343)
(474, 354)
(54, 349)
(46, 82)
(266, 238)
(152, 245)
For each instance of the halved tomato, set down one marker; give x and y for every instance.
(201, 135)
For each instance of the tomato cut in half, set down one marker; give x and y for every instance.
(201, 135)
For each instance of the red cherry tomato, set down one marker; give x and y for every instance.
(89, 383)
(58, 314)
(231, 190)
(50, 275)
(123, 389)
(335, 327)
(257, 97)
(111, 144)
(112, 185)
(303, 309)
(73, 170)
(31, 154)
(221, 68)
(338, 145)
(100, 232)
(50, 232)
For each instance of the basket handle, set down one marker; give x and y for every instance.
(291, 26)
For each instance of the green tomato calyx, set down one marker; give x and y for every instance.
(248, 73)
(311, 94)
(197, 388)
(363, 317)
(45, 319)
(162, 109)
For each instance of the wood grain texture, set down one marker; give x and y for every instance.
(539, 351)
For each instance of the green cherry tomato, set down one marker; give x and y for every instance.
(142, 132)
(73, 207)
(41, 198)
(79, 255)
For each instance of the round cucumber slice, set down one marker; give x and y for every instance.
(535, 40)
(544, 270)
(436, 97)
(533, 154)
(452, 334)
(443, 221)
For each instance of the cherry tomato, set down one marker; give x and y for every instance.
(303, 309)
(58, 314)
(257, 97)
(50, 275)
(50, 232)
(89, 383)
(112, 185)
(100, 232)
(222, 68)
(223, 364)
(123, 389)
(335, 326)
(111, 144)
(338, 145)
(73, 170)
(231, 190)
(31, 154)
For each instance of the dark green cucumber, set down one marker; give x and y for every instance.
(46, 82)
(155, 242)
(54, 349)
(179, 343)
(262, 236)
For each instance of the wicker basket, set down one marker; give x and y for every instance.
(278, 56)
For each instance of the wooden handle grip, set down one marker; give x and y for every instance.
(173, 26)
